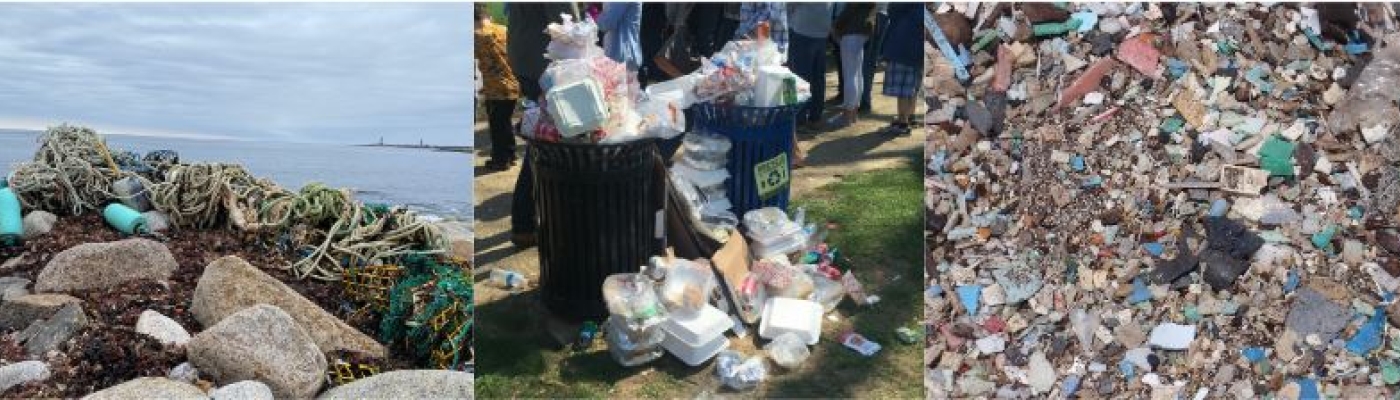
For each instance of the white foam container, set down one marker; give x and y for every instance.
(801, 317)
(577, 107)
(697, 339)
(699, 329)
(695, 355)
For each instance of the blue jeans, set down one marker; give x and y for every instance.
(807, 57)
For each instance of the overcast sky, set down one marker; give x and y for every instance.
(334, 73)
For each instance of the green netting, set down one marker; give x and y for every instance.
(431, 310)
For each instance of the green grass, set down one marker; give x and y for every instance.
(880, 219)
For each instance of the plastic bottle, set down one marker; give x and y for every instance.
(507, 279)
(125, 219)
(11, 221)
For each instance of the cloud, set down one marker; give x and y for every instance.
(337, 73)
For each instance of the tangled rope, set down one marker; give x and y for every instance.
(71, 173)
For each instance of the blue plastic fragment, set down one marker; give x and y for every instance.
(1219, 207)
(1357, 48)
(1140, 292)
(1177, 68)
(1323, 239)
(1077, 163)
(969, 295)
(1127, 368)
(1087, 20)
(1257, 76)
(1369, 336)
(1070, 386)
(959, 69)
(1292, 283)
(1355, 213)
(1254, 354)
(1309, 389)
(934, 291)
(1316, 40)
(1093, 182)
(1154, 248)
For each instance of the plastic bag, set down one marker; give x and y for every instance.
(738, 375)
(787, 350)
(687, 287)
(632, 347)
(661, 117)
(675, 58)
(1370, 103)
(632, 297)
(571, 40)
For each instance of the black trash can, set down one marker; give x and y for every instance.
(760, 161)
(600, 207)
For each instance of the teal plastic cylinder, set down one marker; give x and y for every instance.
(125, 219)
(11, 220)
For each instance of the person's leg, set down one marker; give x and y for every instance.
(852, 52)
(872, 52)
(804, 55)
(522, 208)
(502, 142)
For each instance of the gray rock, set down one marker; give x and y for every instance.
(20, 312)
(407, 384)
(162, 328)
(260, 343)
(230, 284)
(12, 287)
(22, 372)
(156, 221)
(38, 223)
(101, 265)
(44, 336)
(149, 388)
(185, 372)
(244, 390)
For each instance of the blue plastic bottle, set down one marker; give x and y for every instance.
(11, 221)
(125, 219)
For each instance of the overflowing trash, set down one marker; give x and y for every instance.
(1165, 200)
(681, 307)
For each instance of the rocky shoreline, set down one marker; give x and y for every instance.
(113, 297)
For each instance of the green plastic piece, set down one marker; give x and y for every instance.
(1324, 238)
(984, 39)
(1390, 372)
(1276, 156)
(1055, 28)
(1173, 124)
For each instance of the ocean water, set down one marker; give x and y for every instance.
(436, 183)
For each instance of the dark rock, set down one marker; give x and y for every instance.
(1170, 271)
(44, 336)
(1044, 12)
(21, 312)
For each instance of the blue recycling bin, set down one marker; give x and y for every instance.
(760, 160)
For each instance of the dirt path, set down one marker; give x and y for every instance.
(830, 156)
